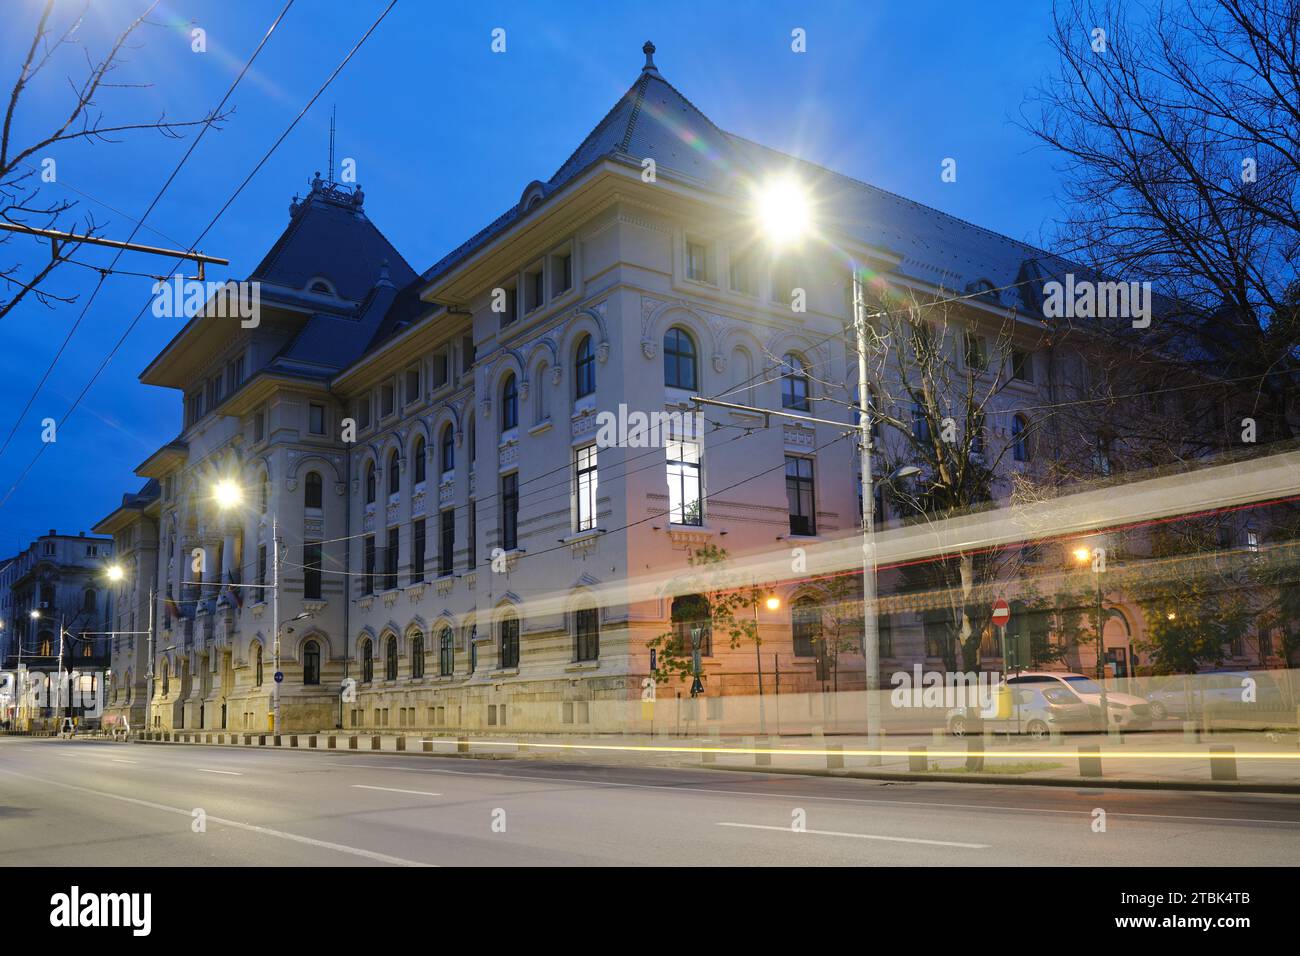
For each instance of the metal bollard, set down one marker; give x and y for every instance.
(835, 757)
(916, 759)
(1223, 767)
(1089, 761)
(1190, 734)
(937, 736)
(462, 745)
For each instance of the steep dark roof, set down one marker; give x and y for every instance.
(653, 119)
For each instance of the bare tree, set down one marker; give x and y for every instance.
(1179, 131)
(22, 199)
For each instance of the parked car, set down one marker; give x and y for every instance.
(1127, 711)
(1216, 692)
(1035, 710)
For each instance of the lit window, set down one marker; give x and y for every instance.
(799, 493)
(584, 369)
(679, 360)
(585, 484)
(684, 502)
(794, 383)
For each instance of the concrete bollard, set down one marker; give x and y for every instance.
(462, 745)
(1090, 761)
(1190, 734)
(707, 755)
(974, 755)
(916, 759)
(835, 757)
(938, 737)
(1054, 735)
(875, 760)
(1223, 767)
(986, 738)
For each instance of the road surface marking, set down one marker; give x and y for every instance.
(250, 827)
(418, 793)
(228, 773)
(861, 801)
(859, 836)
(120, 760)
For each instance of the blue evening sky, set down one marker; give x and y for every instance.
(446, 135)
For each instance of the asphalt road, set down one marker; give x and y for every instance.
(91, 803)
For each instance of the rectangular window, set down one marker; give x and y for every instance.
(447, 541)
(510, 511)
(412, 384)
(466, 353)
(510, 642)
(684, 503)
(387, 399)
(259, 426)
(534, 288)
(440, 368)
(363, 411)
(936, 633)
(1022, 367)
(510, 303)
(784, 282)
(586, 626)
(885, 634)
(920, 423)
(976, 359)
(261, 565)
(390, 561)
(473, 534)
(585, 483)
(316, 419)
(417, 551)
(697, 262)
(742, 273)
(368, 563)
(799, 494)
(561, 272)
(311, 570)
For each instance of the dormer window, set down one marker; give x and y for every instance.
(321, 287)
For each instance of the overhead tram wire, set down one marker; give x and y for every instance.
(139, 224)
(260, 163)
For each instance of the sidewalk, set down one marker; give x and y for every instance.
(1242, 761)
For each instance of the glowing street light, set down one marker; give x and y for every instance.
(773, 603)
(115, 572)
(227, 494)
(783, 210)
(1097, 557)
(1083, 555)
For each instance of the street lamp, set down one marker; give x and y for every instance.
(1098, 558)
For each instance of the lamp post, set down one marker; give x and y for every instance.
(116, 573)
(1098, 558)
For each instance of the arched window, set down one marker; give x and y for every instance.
(586, 634)
(311, 663)
(126, 689)
(390, 659)
(806, 627)
(394, 473)
(679, 359)
(692, 622)
(257, 665)
(445, 652)
(509, 403)
(88, 602)
(417, 655)
(47, 645)
(794, 383)
(584, 369)
(313, 496)
(167, 679)
(1019, 443)
(86, 649)
(420, 463)
(367, 661)
(370, 483)
(264, 493)
(473, 443)
(447, 451)
(510, 641)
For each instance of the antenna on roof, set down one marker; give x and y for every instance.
(330, 167)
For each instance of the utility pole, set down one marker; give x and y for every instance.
(148, 687)
(870, 633)
(275, 622)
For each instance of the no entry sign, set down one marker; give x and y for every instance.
(1001, 613)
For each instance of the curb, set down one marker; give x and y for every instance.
(1083, 783)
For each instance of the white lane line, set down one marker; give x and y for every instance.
(418, 793)
(120, 760)
(228, 773)
(861, 801)
(250, 827)
(860, 836)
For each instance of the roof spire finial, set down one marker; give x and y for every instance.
(649, 51)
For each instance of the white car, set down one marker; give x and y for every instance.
(1127, 711)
